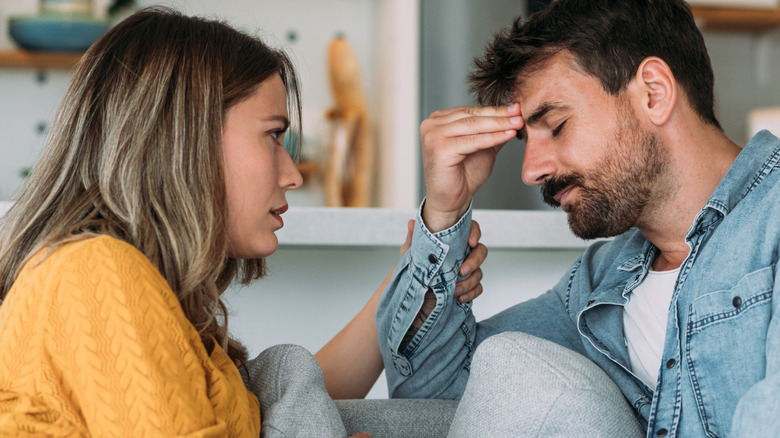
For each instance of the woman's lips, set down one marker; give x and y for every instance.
(277, 213)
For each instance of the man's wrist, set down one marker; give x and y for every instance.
(439, 221)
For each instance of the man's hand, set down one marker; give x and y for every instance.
(459, 148)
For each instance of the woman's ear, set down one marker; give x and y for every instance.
(657, 89)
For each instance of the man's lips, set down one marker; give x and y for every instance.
(563, 195)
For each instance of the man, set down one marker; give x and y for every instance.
(615, 102)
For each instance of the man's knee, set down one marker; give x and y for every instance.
(532, 359)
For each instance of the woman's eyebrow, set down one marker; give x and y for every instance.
(282, 119)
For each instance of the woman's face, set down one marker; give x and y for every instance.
(258, 169)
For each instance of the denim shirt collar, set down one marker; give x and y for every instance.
(749, 169)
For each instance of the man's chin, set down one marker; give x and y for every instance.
(591, 229)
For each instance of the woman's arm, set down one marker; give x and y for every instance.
(351, 361)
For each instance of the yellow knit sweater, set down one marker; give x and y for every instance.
(93, 342)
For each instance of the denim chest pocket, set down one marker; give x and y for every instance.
(726, 341)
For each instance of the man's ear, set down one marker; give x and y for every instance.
(656, 89)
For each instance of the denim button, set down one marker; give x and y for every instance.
(671, 363)
(662, 432)
(736, 302)
(402, 365)
(432, 258)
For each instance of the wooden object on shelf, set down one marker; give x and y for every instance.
(736, 19)
(308, 168)
(27, 59)
(350, 170)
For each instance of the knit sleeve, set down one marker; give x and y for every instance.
(123, 347)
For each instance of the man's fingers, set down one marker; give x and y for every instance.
(447, 149)
(469, 135)
(479, 125)
(451, 114)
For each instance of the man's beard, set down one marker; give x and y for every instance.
(613, 196)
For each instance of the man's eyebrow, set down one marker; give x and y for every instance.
(541, 111)
(522, 133)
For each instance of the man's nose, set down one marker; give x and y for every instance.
(538, 162)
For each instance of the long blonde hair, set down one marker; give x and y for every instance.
(135, 153)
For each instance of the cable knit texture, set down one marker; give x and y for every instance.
(93, 342)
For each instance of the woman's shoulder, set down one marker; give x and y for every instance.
(95, 267)
(99, 246)
(90, 255)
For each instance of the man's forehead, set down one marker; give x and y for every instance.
(552, 80)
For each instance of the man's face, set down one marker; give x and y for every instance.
(588, 151)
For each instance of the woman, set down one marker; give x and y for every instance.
(163, 181)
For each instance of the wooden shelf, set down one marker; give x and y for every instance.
(736, 19)
(26, 59)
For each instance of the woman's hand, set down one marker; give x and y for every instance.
(470, 287)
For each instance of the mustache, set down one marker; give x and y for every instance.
(554, 184)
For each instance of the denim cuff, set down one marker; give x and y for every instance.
(440, 253)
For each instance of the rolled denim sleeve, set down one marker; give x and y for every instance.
(435, 362)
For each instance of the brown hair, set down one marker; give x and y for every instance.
(135, 153)
(609, 39)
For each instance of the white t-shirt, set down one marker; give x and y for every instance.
(644, 323)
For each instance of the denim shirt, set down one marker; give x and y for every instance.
(720, 372)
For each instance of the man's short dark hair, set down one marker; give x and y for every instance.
(608, 39)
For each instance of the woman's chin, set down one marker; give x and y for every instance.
(260, 250)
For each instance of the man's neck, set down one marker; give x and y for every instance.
(699, 161)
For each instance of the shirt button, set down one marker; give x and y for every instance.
(736, 302)
(432, 258)
(662, 432)
(671, 363)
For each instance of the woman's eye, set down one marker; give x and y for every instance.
(277, 134)
(557, 130)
